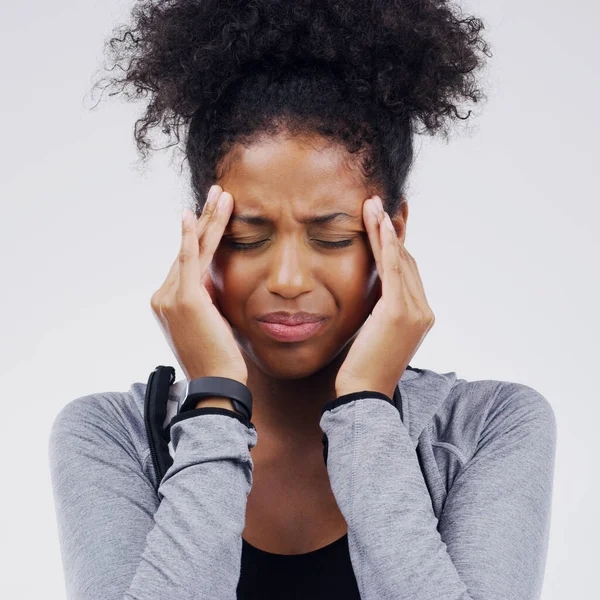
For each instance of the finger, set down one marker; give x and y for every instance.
(411, 274)
(189, 260)
(214, 231)
(408, 266)
(414, 269)
(208, 209)
(209, 286)
(394, 286)
(372, 224)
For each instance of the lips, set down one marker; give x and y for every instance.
(291, 333)
(284, 318)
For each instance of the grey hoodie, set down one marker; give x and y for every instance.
(447, 496)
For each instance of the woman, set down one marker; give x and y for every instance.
(351, 474)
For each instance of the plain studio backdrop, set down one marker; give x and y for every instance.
(503, 224)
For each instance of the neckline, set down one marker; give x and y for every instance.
(295, 557)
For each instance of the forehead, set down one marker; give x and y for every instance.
(303, 174)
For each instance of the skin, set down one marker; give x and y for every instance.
(285, 178)
(370, 291)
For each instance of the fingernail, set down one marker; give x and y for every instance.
(212, 194)
(184, 212)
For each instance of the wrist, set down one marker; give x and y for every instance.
(217, 402)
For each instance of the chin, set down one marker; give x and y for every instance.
(290, 361)
(296, 365)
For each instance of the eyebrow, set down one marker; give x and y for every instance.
(327, 218)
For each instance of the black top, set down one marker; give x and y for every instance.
(324, 574)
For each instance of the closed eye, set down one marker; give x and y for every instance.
(250, 246)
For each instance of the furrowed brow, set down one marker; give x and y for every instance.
(260, 220)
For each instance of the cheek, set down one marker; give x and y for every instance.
(354, 274)
(357, 285)
(227, 278)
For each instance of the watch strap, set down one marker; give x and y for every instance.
(204, 387)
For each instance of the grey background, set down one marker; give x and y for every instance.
(503, 224)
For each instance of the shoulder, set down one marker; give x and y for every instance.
(102, 419)
(480, 411)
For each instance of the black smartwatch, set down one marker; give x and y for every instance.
(205, 387)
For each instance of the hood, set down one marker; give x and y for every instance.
(421, 393)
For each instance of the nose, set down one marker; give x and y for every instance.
(290, 272)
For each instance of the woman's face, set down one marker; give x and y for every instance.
(289, 266)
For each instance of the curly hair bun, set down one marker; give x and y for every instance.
(386, 61)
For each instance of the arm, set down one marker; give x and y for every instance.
(491, 540)
(118, 539)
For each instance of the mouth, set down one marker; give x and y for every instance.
(292, 333)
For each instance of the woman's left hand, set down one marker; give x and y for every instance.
(399, 321)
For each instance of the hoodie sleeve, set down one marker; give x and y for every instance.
(118, 539)
(490, 542)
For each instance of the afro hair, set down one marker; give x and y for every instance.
(364, 74)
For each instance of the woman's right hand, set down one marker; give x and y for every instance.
(199, 335)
